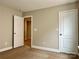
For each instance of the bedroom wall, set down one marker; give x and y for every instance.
(47, 23)
(6, 15)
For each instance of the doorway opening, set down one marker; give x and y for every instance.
(27, 32)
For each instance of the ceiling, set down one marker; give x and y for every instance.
(30, 5)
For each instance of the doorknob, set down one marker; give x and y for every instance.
(60, 34)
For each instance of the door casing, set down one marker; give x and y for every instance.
(31, 29)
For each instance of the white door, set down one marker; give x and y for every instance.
(18, 31)
(68, 31)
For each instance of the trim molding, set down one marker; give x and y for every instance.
(44, 48)
(31, 28)
(5, 49)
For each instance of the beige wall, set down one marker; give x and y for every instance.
(6, 26)
(46, 21)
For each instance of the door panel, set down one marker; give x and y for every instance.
(68, 27)
(18, 31)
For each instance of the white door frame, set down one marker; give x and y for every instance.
(31, 29)
(59, 28)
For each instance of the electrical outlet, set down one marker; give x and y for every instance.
(35, 29)
(44, 42)
(6, 43)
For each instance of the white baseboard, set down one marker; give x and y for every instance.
(44, 48)
(78, 47)
(5, 49)
(50, 49)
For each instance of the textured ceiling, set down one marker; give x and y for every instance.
(29, 5)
